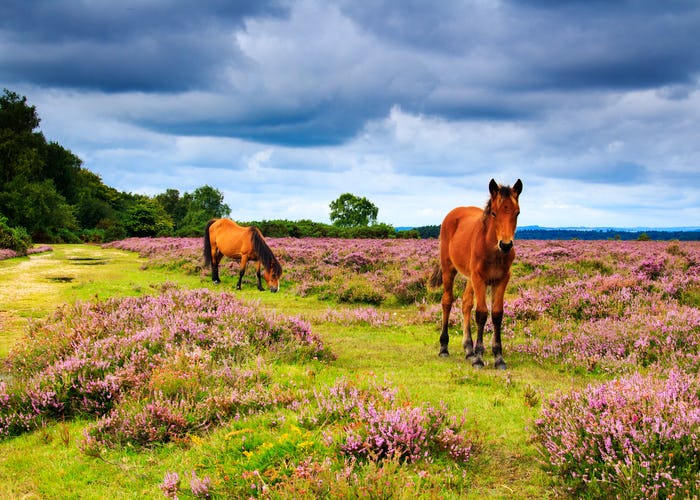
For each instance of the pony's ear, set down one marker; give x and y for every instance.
(493, 187)
(518, 187)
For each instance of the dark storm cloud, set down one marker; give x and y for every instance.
(456, 60)
(122, 46)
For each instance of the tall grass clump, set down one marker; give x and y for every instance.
(153, 368)
(632, 437)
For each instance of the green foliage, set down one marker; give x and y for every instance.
(14, 238)
(408, 234)
(37, 207)
(16, 115)
(428, 231)
(147, 218)
(308, 229)
(352, 211)
(191, 212)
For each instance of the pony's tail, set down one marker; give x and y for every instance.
(436, 276)
(207, 244)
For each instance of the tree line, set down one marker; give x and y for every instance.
(47, 196)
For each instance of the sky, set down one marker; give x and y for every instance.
(416, 105)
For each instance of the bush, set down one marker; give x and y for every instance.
(378, 427)
(167, 367)
(14, 238)
(634, 437)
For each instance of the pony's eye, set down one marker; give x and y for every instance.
(493, 214)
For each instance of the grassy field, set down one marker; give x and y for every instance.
(498, 407)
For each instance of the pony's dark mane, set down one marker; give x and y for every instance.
(504, 192)
(268, 259)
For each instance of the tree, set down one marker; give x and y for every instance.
(16, 115)
(173, 204)
(38, 208)
(203, 204)
(352, 211)
(147, 218)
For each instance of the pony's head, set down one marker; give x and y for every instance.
(272, 274)
(271, 268)
(502, 210)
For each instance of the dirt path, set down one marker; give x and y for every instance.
(33, 287)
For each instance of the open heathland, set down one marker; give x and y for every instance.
(138, 377)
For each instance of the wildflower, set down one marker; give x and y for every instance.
(200, 487)
(171, 485)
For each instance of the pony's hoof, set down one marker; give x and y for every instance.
(499, 364)
(444, 354)
(216, 282)
(478, 364)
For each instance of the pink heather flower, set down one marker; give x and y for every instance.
(171, 485)
(200, 487)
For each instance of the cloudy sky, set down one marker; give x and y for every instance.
(416, 105)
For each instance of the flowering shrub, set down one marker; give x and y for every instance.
(201, 488)
(633, 437)
(181, 357)
(609, 305)
(7, 253)
(377, 427)
(171, 484)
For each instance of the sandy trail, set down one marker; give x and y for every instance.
(31, 288)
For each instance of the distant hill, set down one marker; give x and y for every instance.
(588, 233)
(541, 233)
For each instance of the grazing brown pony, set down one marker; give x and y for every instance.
(478, 243)
(225, 237)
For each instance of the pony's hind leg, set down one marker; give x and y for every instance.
(216, 258)
(241, 272)
(447, 300)
(467, 305)
(497, 318)
(480, 316)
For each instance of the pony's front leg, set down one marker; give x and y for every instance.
(259, 275)
(481, 315)
(244, 262)
(497, 318)
(467, 305)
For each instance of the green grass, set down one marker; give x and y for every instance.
(49, 464)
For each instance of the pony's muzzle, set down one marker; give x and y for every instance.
(505, 247)
(274, 289)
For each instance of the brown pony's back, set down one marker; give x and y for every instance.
(231, 239)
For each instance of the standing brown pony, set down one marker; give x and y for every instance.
(478, 244)
(225, 237)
